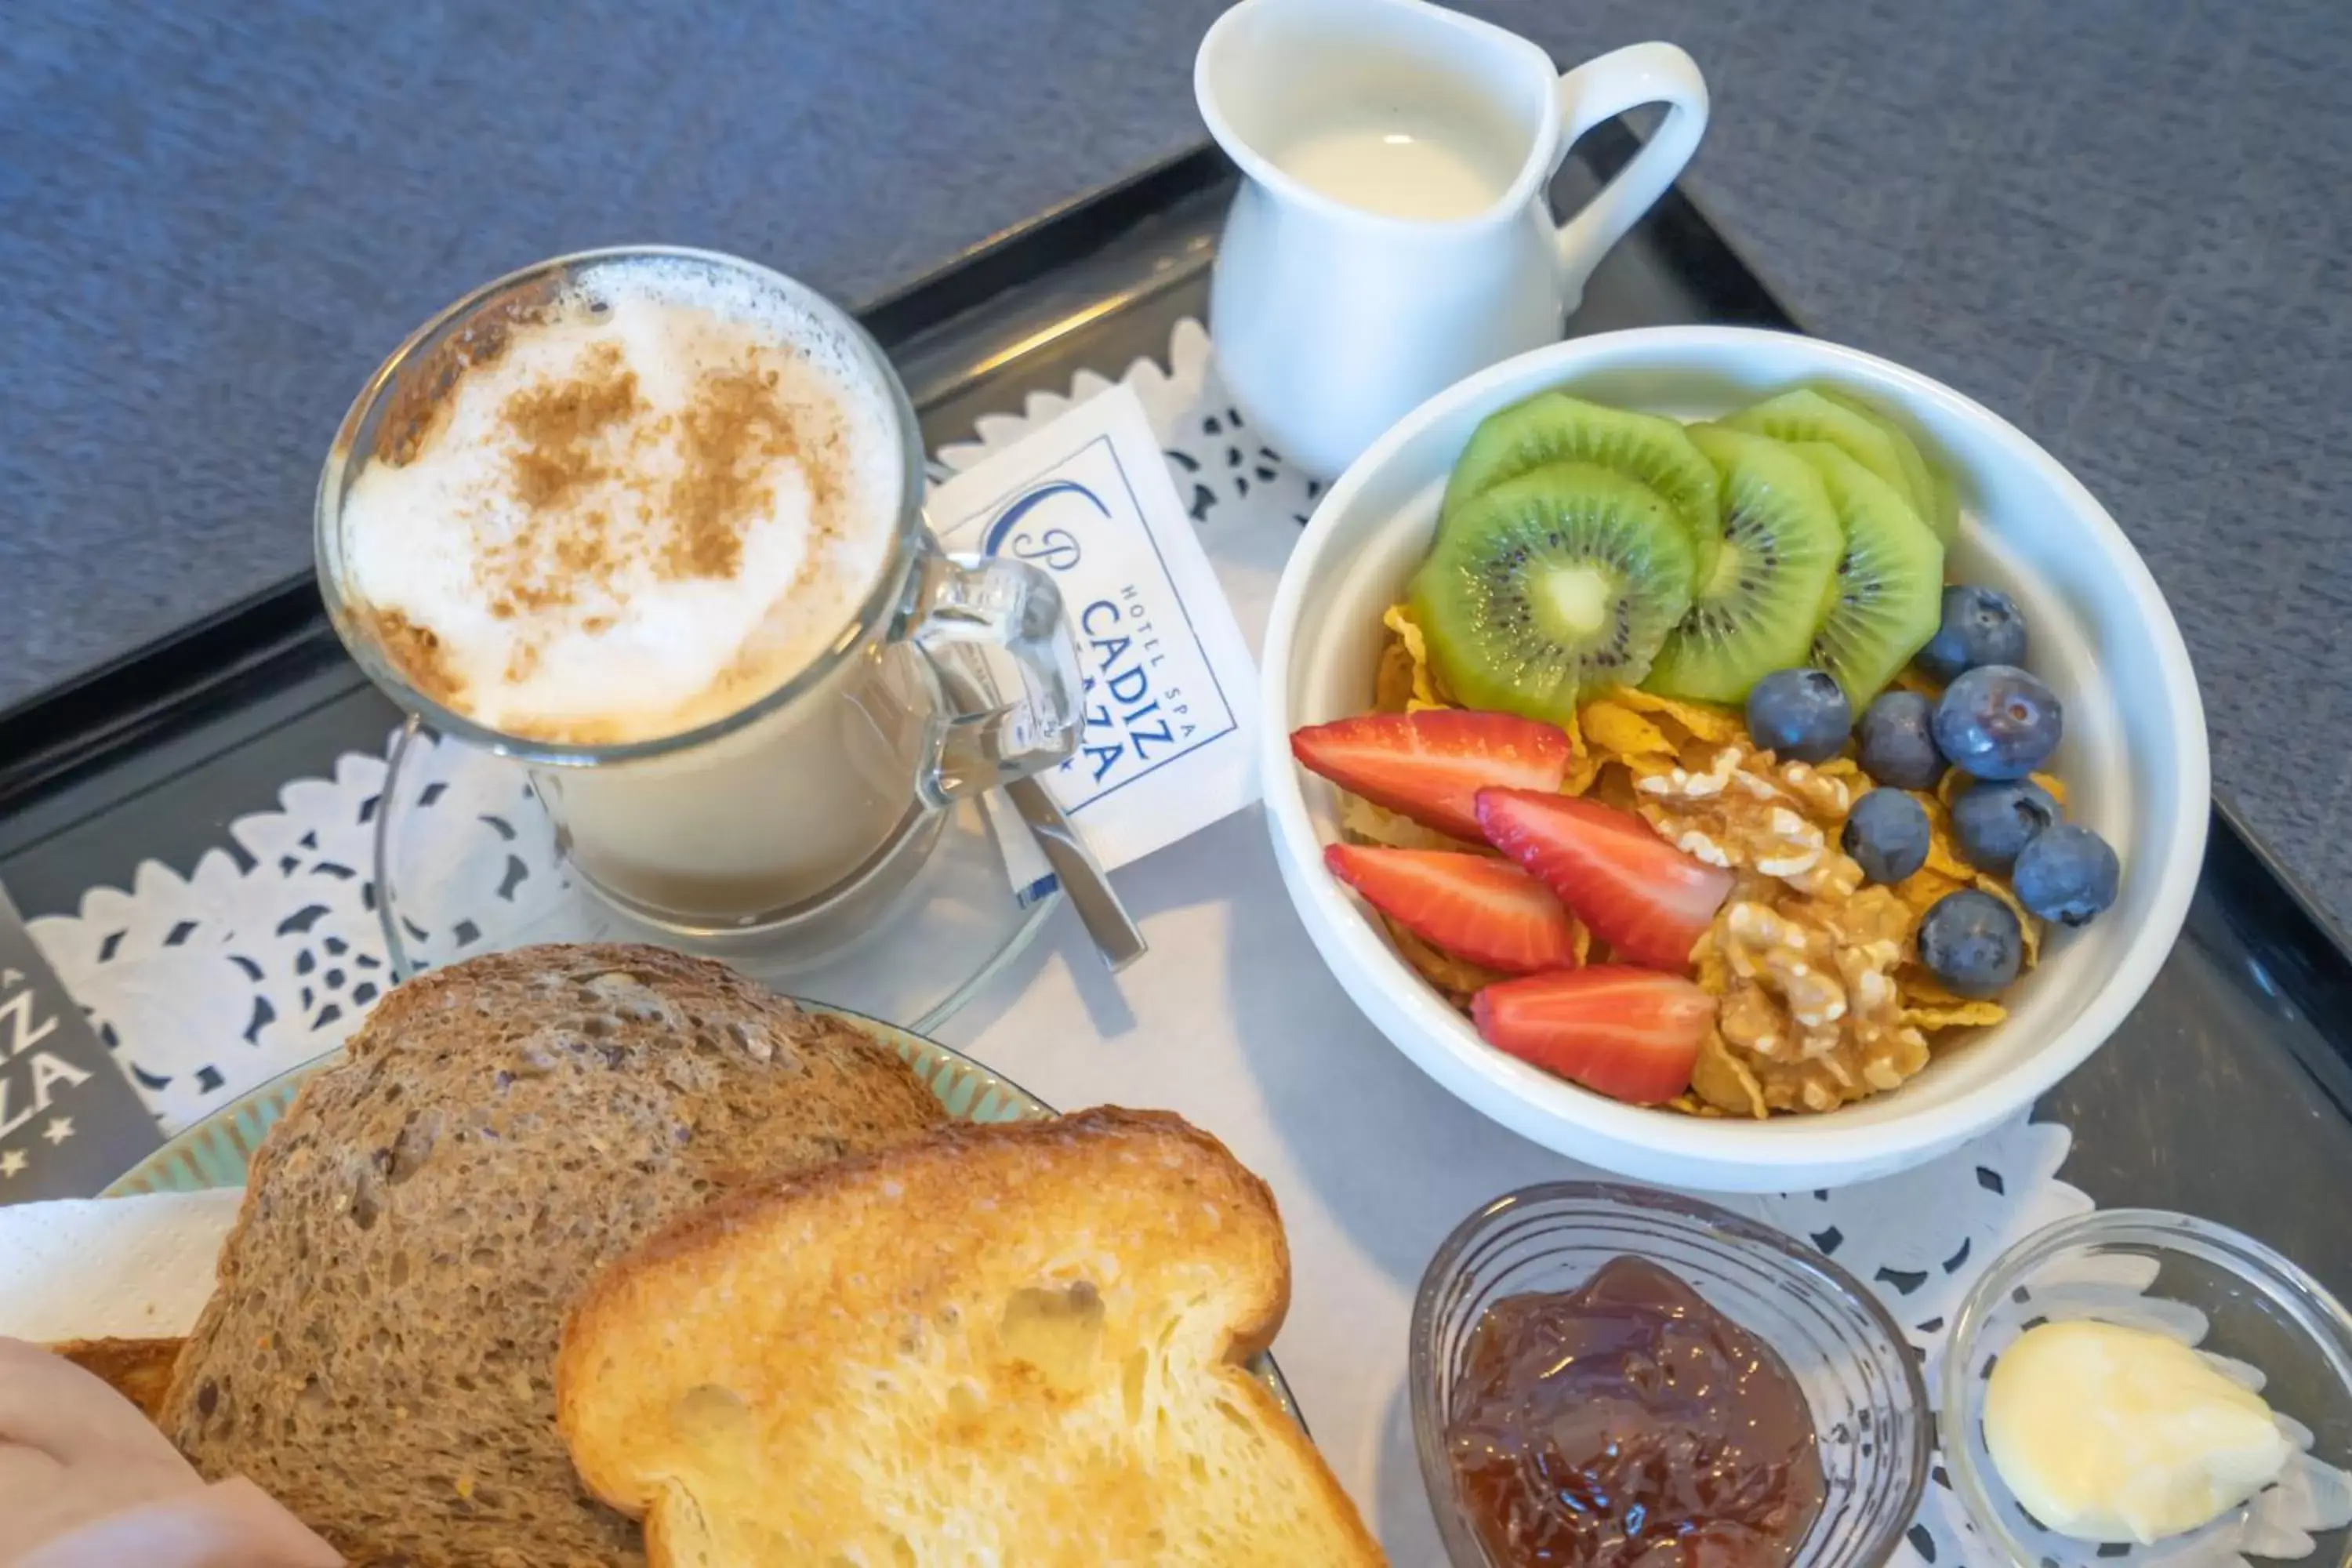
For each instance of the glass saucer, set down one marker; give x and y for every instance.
(467, 863)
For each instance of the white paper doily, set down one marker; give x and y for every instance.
(207, 986)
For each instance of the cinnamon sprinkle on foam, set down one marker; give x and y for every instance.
(624, 511)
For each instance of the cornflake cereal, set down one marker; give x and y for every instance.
(1823, 999)
(1420, 690)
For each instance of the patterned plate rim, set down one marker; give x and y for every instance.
(216, 1151)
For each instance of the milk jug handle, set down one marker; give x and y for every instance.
(1601, 89)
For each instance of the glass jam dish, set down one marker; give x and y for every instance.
(2226, 1294)
(1859, 1379)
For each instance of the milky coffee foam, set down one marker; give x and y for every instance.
(653, 500)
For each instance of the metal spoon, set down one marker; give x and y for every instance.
(1114, 931)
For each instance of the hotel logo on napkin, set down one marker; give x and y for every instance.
(1171, 693)
(69, 1121)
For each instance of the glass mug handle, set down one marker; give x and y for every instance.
(1008, 605)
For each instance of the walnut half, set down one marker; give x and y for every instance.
(1746, 812)
(1812, 1018)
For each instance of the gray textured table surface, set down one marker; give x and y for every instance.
(2125, 224)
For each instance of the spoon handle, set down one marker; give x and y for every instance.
(1114, 931)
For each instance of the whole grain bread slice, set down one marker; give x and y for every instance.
(1010, 1343)
(380, 1352)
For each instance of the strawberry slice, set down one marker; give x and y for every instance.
(1629, 1034)
(1647, 900)
(1430, 765)
(1474, 906)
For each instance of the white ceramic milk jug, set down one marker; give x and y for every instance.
(1392, 234)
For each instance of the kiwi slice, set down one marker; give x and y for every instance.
(1888, 600)
(1755, 611)
(1553, 427)
(1944, 514)
(1922, 478)
(1805, 414)
(1567, 576)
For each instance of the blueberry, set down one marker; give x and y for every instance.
(1981, 625)
(1800, 715)
(1996, 721)
(1898, 741)
(2067, 874)
(1971, 941)
(1886, 834)
(1993, 821)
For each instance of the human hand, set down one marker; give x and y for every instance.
(86, 1482)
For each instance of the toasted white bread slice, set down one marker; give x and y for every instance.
(1011, 1344)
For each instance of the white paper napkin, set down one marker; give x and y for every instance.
(88, 1269)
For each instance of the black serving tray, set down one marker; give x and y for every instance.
(2228, 1092)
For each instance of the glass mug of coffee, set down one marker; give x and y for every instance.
(649, 520)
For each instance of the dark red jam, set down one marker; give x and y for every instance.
(1630, 1424)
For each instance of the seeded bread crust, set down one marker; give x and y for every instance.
(380, 1352)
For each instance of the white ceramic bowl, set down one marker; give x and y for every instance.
(2133, 758)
